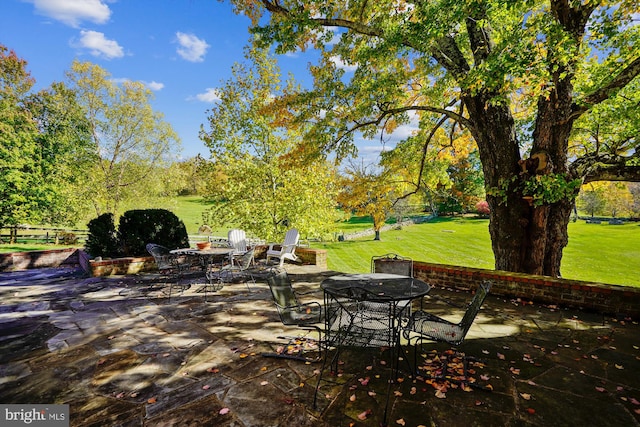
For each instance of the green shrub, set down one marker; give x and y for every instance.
(102, 239)
(141, 226)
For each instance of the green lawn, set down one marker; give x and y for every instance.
(596, 252)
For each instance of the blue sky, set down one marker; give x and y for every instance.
(182, 50)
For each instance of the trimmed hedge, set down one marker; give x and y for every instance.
(136, 228)
(141, 226)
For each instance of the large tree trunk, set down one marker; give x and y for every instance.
(525, 238)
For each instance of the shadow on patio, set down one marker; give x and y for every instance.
(119, 353)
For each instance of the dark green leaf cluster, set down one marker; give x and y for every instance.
(136, 229)
(141, 226)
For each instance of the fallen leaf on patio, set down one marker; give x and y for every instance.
(166, 355)
(134, 394)
(152, 400)
(484, 377)
(514, 371)
(594, 356)
(383, 362)
(531, 411)
(413, 390)
(364, 381)
(301, 385)
(400, 421)
(243, 355)
(224, 411)
(619, 366)
(119, 395)
(264, 383)
(485, 351)
(352, 398)
(601, 389)
(110, 337)
(634, 401)
(478, 402)
(525, 396)
(371, 393)
(264, 368)
(206, 387)
(101, 361)
(501, 356)
(466, 388)
(363, 415)
(619, 388)
(213, 370)
(397, 393)
(637, 411)
(400, 380)
(368, 368)
(440, 394)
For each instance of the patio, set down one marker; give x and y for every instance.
(118, 353)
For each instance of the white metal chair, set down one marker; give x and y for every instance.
(287, 248)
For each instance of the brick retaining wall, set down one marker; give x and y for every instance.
(600, 297)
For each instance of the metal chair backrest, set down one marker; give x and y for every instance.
(392, 264)
(162, 256)
(237, 240)
(244, 262)
(282, 290)
(474, 307)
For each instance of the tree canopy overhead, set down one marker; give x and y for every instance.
(539, 85)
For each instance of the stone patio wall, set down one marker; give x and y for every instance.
(615, 300)
(69, 257)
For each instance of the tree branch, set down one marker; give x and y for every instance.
(630, 72)
(606, 167)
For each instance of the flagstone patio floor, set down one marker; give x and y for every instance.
(121, 354)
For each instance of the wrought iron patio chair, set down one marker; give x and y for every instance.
(240, 267)
(393, 264)
(287, 248)
(292, 312)
(425, 326)
(172, 267)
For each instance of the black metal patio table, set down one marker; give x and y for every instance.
(368, 310)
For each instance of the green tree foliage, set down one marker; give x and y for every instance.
(260, 187)
(367, 191)
(514, 75)
(63, 155)
(17, 146)
(43, 150)
(131, 142)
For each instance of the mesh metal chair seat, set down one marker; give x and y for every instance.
(430, 326)
(424, 326)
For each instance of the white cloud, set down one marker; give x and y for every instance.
(153, 85)
(191, 47)
(99, 45)
(210, 95)
(341, 64)
(73, 12)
